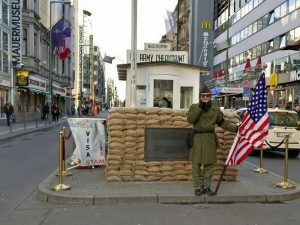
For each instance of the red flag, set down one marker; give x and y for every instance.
(247, 66)
(254, 127)
(258, 63)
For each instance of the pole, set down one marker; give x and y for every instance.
(133, 64)
(220, 180)
(50, 63)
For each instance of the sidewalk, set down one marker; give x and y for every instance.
(22, 128)
(88, 187)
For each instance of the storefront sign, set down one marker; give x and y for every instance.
(157, 46)
(57, 89)
(22, 77)
(155, 56)
(37, 83)
(231, 90)
(16, 32)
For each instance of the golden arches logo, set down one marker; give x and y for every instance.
(206, 24)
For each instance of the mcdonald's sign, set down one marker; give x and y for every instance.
(206, 24)
(22, 77)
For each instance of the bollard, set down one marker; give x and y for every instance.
(285, 184)
(60, 186)
(261, 163)
(65, 173)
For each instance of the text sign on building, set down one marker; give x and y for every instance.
(231, 90)
(157, 46)
(295, 76)
(16, 32)
(156, 56)
(22, 77)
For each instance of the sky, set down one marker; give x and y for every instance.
(111, 25)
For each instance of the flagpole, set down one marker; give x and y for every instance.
(220, 180)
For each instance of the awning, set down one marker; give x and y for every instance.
(39, 91)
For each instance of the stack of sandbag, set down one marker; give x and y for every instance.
(126, 132)
(225, 139)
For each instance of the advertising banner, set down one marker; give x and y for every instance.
(89, 138)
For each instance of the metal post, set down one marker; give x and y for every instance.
(261, 164)
(285, 184)
(133, 64)
(50, 63)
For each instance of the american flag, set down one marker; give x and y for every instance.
(254, 127)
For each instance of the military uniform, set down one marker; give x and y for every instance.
(203, 154)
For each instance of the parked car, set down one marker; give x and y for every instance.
(281, 122)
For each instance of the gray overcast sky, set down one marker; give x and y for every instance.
(111, 24)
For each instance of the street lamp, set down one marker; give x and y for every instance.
(50, 49)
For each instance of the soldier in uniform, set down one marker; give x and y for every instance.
(203, 154)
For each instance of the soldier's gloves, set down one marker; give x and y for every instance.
(201, 104)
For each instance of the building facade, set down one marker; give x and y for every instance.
(29, 70)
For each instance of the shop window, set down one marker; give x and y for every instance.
(292, 5)
(162, 89)
(186, 97)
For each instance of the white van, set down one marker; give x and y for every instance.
(281, 122)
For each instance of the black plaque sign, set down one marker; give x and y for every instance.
(164, 144)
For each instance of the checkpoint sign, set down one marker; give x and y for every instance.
(246, 90)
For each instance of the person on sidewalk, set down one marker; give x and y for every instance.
(8, 110)
(45, 111)
(204, 116)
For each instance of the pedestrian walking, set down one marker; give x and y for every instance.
(54, 111)
(79, 112)
(8, 110)
(204, 116)
(45, 111)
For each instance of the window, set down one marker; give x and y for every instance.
(242, 34)
(264, 48)
(254, 27)
(270, 46)
(24, 4)
(265, 21)
(282, 41)
(24, 42)
(292, 5)
(258, 50)
(5, 41)
(4, 13)
(276, 43)
(36, 45)
(162, 89)
(271, 18)
(259, 24)
(297, 33)
(291, 36)
(5, 62)
(255, 3)
(242, 58)
(186, 97)
(277, 13)
(250, 29)
(254, 53)
(283, 9)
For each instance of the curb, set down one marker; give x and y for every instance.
(45, 194)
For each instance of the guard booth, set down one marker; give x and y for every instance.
(156, 81)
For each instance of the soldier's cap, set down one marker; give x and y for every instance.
(205, 89)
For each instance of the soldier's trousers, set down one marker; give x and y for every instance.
(202, 179)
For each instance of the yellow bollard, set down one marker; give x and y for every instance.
(65, 172)
(261, 163)
(285, 184)
(60, 186)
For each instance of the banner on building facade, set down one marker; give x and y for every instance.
(16, 32)
(89, 137)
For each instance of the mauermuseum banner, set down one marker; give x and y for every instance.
(89, 137)
(16, 32)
